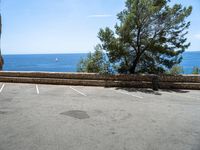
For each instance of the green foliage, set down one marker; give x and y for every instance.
(95, 62)
(149, 38)
(176, 70)
(196, 70)
(1, 62)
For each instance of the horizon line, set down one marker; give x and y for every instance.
(44, 53)
(59, 53)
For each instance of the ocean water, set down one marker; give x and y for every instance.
(68, 62)
(42, 62)
(190, 60)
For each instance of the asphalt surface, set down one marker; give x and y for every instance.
(49, 117)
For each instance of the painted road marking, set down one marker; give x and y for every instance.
(2, 88)
(77, 91)
(37, 89)
(126, 93)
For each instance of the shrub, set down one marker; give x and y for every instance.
(176, 70)
(196, 70)
(95, 62)
(1, 62)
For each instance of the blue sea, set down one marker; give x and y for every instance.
(68, 62)
(42, 62)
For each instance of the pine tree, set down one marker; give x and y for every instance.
(149, 38)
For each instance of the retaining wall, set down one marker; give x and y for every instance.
(88, 79)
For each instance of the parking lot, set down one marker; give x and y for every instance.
(54, 117)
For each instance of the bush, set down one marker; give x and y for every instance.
(196, 70)
(176, 70)
(95, 62)
(1, 62)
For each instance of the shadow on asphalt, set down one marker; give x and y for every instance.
(175, 90)
(150, 91)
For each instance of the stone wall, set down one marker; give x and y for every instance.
(85, 79)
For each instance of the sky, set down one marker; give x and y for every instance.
(68, 26)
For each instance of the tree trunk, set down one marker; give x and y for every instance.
(134, 65)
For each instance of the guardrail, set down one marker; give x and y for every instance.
(120, 80)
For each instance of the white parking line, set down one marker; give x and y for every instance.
(77, 91)
(37, 89)
(2, 88)
(126, 93)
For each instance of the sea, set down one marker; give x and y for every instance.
(68, 62)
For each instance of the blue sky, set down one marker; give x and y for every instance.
(67, 26)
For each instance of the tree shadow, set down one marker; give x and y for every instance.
(175, 90)
(143, 90)
(151, 91)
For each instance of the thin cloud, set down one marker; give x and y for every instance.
(100, 16)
